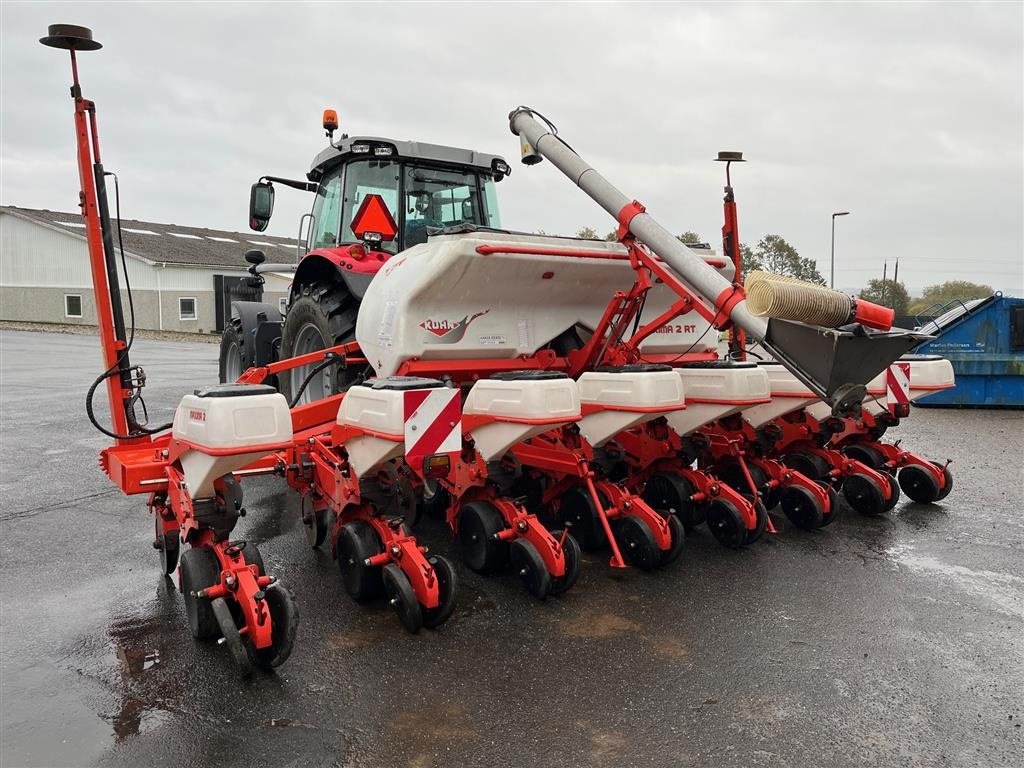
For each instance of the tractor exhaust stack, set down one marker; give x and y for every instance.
(835, 364)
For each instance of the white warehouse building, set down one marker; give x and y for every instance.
(181, 277)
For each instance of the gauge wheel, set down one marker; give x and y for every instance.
(672, 494)
(948, 476)
(314, 522)
(809, 465)
(677, 531)
(578, 512)
(866, 454)
(637, 543)
(479, 523)
(529, 566)
(357, 541)
(863, 494)
(802, 508)
(573, 555)
(403, 600)
(726, 523)
(919, 484)
(447, 588)
(168, 544)
(200, 569)
(232, 638)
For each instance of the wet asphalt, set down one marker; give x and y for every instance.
(890, 641)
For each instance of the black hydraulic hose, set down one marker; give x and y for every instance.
(115, 369)
(326, 363)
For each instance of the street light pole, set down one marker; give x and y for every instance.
(832, 270)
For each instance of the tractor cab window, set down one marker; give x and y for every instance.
(437, 198)
(326, 212)
(369, 177)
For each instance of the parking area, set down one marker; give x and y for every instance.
(887, 641)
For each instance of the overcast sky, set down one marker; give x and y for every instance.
(908, 115)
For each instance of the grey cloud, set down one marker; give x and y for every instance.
(909, 115)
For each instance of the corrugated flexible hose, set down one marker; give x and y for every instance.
(786, 298)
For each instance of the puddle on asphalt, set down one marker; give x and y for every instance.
(1003, 591)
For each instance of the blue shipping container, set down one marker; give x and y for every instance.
(984, 341)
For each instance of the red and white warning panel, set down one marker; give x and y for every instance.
(897, 389)
(433, 424)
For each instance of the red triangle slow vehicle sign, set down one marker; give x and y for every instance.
(373, 216)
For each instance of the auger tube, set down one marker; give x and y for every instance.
(703, 278)
(834, 364)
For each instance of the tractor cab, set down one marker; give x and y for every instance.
(373, 197)
(422, 187)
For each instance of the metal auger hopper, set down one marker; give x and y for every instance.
(836, 363)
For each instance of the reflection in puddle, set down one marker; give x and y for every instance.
(139, 644)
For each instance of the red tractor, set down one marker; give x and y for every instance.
(349, 235)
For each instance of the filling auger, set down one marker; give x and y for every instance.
(836, 364)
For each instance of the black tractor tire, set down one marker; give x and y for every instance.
(330, 309)
(230, 358)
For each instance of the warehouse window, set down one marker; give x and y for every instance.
(186, 309)
(72, 305)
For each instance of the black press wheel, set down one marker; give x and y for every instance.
(400, 595)
(573, 556)
(169, 546)
(284, 618)
(863, 494)
(529, 566)
(802, 508)
(809, 465)
(199, 569)
(726, 523)
(479, 522)
(447, 587)
(577, 511)
(357, 541)
(948, 476)
(672, 494)
(677, 531)
(637, 543)
(232, 638)
(865, 454)
(919, 484)
(314, 522)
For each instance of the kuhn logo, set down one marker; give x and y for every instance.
(449, 331)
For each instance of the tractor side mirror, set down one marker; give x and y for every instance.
(255, 257)
(261, 205)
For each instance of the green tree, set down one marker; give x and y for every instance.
(776, 255)
(748, 260)
(950, 291)
(612, 236)
(689, 238)
(587, 233)
(888, 293)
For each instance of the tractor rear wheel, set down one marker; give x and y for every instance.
(321, 315)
